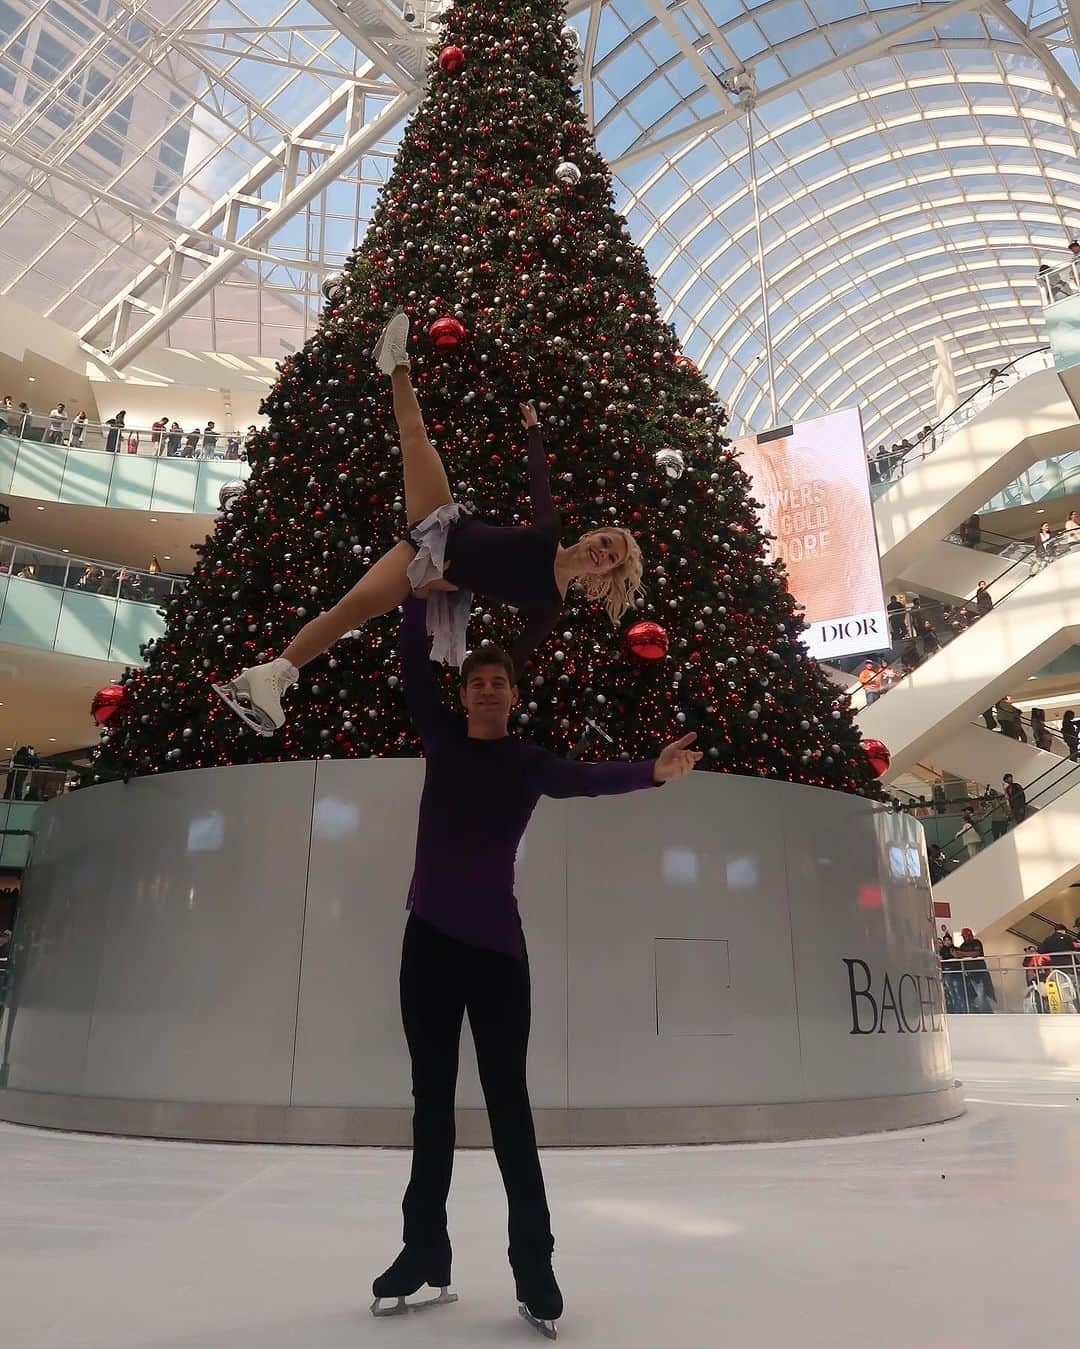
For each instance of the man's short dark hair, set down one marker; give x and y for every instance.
(490, 654)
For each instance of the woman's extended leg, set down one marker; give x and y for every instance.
(426, 485)
(382, 587)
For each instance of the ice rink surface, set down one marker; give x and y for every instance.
(956, 1235)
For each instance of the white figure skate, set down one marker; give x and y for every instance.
(255, 695)
(392, 348)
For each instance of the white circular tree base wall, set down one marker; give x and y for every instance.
(214, 955)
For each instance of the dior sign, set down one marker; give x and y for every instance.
(905, 1005)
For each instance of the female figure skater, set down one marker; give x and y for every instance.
(450, 555)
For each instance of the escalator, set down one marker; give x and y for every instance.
(987, 443)
(1036, 619)
(1005, 882)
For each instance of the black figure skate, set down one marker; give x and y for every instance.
(411, 1271)
(540, 1301)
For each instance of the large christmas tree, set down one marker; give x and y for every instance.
(498, 225)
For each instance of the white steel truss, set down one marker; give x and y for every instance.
(916, 161)
(131, 322)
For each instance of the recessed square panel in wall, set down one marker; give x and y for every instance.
(693, 986)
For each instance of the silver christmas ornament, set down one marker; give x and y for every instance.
(229, 492)
(568, 173)
(671, 462)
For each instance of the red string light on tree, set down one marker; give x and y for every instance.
(109, 703)
(646, 642)
(447, 335)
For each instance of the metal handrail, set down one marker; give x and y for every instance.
(940, 431)
(27, 561)
(35, 428)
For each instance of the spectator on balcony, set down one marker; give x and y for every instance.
(1070, 733)
(1056, 284)
(968, 835)
(995, 381)
(25, 416)
(116, 427)
(1009, 719)
(895, 609)
(22, 763)
(191, 445)
(209, 441)
(983, 602)
(78, 427)
(971, 532)
(57, 422)
(7, 411)
(251, 438)
(931, 643)
(232, 446)
(952, 975)
(1017, 800)
(997, 813)
(1071, 531)
(175, 436)
(1044, 547)
(980, 985)
(1040, 736)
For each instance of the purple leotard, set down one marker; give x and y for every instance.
(515, 564)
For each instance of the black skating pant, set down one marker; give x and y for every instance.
(441, 980)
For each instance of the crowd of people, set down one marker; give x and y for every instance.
(165, 437)
(969, 985)
(90, 577)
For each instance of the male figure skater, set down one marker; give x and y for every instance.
(464, 951)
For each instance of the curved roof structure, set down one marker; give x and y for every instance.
(188, 171)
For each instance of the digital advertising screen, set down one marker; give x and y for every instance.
(814, 488)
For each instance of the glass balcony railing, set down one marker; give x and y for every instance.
(79, 606)
(1058, 476)
(88, 475)
(1061, 297)
(113, 437)
(1033, 983)
(888, 468)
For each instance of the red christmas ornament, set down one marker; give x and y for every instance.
(451, 59)
(447, 334)
(685, 363)
(879, 756)
(109, 703)
(647, 642)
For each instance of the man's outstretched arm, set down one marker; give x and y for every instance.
(565, 777)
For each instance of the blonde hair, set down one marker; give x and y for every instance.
(621, 587)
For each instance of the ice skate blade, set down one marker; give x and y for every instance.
(254, 719)
(401, 1307)
(546, 1328)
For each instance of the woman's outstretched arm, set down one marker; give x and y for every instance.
(545, 516)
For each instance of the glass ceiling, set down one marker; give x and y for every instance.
(188, 172)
